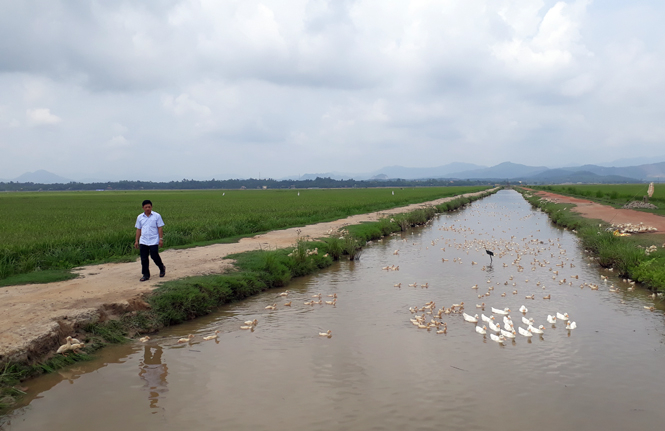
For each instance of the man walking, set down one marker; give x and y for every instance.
(149, 237)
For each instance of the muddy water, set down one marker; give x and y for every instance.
(378, 371)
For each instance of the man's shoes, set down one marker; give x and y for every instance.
(162, 272)
(144, 278)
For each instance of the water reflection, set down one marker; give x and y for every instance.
(70, 374)
(153, 372)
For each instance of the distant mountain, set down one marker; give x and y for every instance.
(41, 177)
(393, 172)
(502, 171)
(443, 171)
(649, 172)
(635, 161)
(551, 173)
(564, 176)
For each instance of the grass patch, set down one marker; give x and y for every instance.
(401, 222)
(256, 271)
(39, 277)
(625, 254)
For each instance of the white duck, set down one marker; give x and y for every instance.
(503, 312)
(507, 320)
(481, 331)
(65, 347)
(498, 339)
(508, 334)
(470, 318)
(77, 346)
(538, 330)
(495, 328)
(570, 325)
(186, 340)
(509, 326)
(212, 337)
(528, 321)
(551, 319)
(486, 319)
(523, 309)
(563, 316)
(524, 332)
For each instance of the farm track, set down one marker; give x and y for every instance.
(37, 317)
(594, 210)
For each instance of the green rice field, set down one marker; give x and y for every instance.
(46, 231)
(613, 194)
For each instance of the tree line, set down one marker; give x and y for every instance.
(250, 183)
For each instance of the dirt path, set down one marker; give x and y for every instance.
(35, 318)
(590, 209)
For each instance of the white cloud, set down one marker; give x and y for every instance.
(578, 85)
(183, 104)
(552, 48)
(192, 81)
(119, 128)
(42, 117)
(118, 141)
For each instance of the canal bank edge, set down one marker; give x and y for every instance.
(626, 255)
(184, 299)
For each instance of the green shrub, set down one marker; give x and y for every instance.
(352, 247)
(334, 246)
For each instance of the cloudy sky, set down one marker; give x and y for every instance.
(201, 89)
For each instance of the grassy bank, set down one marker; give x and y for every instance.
(59, 231)
(615, 195)
(626, 255)
(177, 301)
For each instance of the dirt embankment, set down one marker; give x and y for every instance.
(36, 318)
(590, 209)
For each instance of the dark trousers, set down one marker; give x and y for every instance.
(153, 251)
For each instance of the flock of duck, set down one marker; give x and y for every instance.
(528, 254)
(499, 330)
(316, 300)
(429, 320)
(71, 345)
